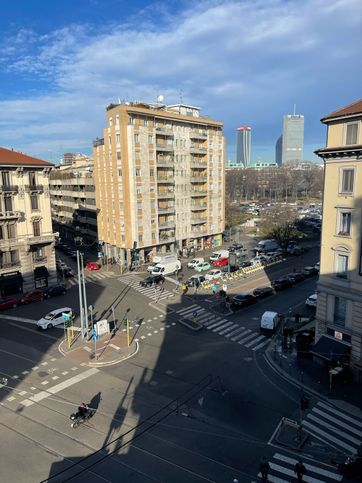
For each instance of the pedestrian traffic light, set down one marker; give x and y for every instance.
(304, 403)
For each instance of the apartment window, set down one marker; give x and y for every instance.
(117, 120)
(119, 172)
(131, 120)
(352, 133)
(8, 203)
(110, 122)
(145, 122)
(118, 156)
(341, 266)
(138, 172)
(5, 175)
(34, 202)
(110, 140)
(136, 138)
(1, 233)
(140, 238)
(14, 256)
(346, 180)
(340, 310)
(345, 222)
(118, 138)
(32, 178)
(152, 172)
(153, 236)
(11, 231)
(36, 228)
(150, 139)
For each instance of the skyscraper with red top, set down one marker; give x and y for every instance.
(243, 147)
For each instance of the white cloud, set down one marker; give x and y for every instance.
(240, 61)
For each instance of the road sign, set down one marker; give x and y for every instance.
(66, 316)
(194, 314)
(94, 334)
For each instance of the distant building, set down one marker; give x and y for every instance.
(289, 147)
(243, 147)
(263, 164)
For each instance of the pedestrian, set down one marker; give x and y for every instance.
(224, 287)
(264, 469)
(214, 288)
(300, 470)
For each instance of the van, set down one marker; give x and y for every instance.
(219, 254)
(269, 321)
(266, 246)
(167, 268)
(167, 257)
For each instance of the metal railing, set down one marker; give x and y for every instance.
(9, 189)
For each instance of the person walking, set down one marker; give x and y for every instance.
(300, 470)
(264, 469)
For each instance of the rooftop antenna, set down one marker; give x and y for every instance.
(294, 109)
(181, 96)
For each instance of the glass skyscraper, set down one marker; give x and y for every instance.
(243, 146)
(291, 143)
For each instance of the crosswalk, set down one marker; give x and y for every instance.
(336, 428)
(282, 471)
(154, 293)
(93, 277)
(224, 327)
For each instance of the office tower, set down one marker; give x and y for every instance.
(293, 139)
(27, 256)
(159, 178)
(339, 303)
(243, 147)
(279, 151)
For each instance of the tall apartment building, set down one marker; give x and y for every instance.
(339, 309)
(289, 147)
(27, 256)
(243, 146)
(159, 177)
(72, 197)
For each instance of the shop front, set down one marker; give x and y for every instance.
(41, 276)
(11, 283)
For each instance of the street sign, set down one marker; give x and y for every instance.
(100, 254)
(94, 335)
(194, 314)
(66, 316)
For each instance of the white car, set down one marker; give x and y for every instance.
(311, 301)
(213, 274)
(55, 317)
(195, 262)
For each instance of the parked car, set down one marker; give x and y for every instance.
(8, 303)
(311, 301)
(92, 266)
(317, 266)
(281, 284)
(263, 291)
(231, 268)
(243, 299)
(56, 317)
(213, 274)
(235, 247)
(309, 271)
(296, 277)
(54, 291)
(152, 280)
(246, 264)
(203, 266)
(222, 262)
(32, 296)
(274, 256)
(191, 282)
(195, 262)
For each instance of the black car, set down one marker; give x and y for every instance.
(296, 277)
(191, 282)
(309, 271)
(263, 291)
(54, 291)
(152, 280)
(235, 247)
(243, 299)
(246, 264)
(281, 284)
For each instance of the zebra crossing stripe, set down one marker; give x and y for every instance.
(290, 472)
(338, 422)
(312, 468)
(336, 412)
(234, 339)
(248, 337)
(181, 311)
(319, 433)
(187, 313)
(240, 329)
(258, 339)
(334, 429)
(261, 345)
(219, 322)
(211, 320)
(222, 327)
(228, 329)
(274, 479)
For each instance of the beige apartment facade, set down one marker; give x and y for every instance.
(73, 202)
(159, 177)
(339, 308)
(27, 254)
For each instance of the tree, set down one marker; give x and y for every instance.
(279, 223)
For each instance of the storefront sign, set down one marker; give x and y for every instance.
(338, 335)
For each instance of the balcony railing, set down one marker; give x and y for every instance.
(34, 187)
(9, 189)
(98, 142)
(164, 147)
(166, 162)
(198, 207)
(198, 179)
(199, 163)
(166, 194)
(167, 238)
(166, 224)
(6, 266)
(198, 134)
(198, 221)
(9, 215)
(168, 209)
(164, 131)
(36, 239)
(165, 179)
(197, 149)
(39, 259)
(198, 193)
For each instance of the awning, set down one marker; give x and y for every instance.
(330, 349)
(14, 279)
(41, 272)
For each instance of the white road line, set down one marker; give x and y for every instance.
(274, 479)
(222, 327)
(11, 398)
(261, 345)
(245, 339)
(215, 324)
(314, 469)
(22, 393)
(337, 421)
(258, 339)
(355, 421)
(334, 429)
(228, 329)
(289, 472)
(187, 309)
(247, 331)
(239, 329)
(114, 346)
(326, 436)
(59, 387)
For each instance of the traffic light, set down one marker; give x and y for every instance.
(304, 403)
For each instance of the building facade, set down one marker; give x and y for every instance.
(27, 254)
(339, 308)
(159, 177)
(73, 202)
(243, 146)
(289, 147)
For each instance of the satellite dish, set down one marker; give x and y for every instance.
(160, 98)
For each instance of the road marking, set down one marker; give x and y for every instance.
(22, 393)
(250, 336)
(35, 368)
(74, 368)
(25, 373)
(59, 387)
(234, 339)
(339, 413)
(338, 422)
(314, 430)
(88, 349)
(11, 398)
(33, 388)
(114, 346)
(289, 472)
(44, 363)
(236, 331)
(309, 467)
(55, 378)
(222, 321)
(228, 329)
(15, 377)
(64, 373)
(222, 327)
(258, 339)
(44, 383)
(333, 429)
(261, 345)
(53, 359)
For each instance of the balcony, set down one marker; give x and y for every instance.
(9, 189)
(198, 163)
(198, 193)
(31, 188)
(198, 220)
(10, 265)
(165, 179)
(165, 210)
(167, 238)
(198, 179)
(164, 147)
(198, 207)
(198, 150)
(164, 131)
(38, 259)
(10, 215)
(195, 134)
(40, 239)
(166, 194)
(98, 142)
(166, 224)
(167, 162)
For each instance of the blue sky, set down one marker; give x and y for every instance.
(242, 62)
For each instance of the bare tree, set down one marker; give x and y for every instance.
(279, 223)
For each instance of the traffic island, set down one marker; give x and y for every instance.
(290, 434)
(108, 350)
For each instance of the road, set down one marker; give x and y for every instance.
(190, 407)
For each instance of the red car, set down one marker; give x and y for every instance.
(92, 266)
(32, 296)
(8, 303)
(221, 262)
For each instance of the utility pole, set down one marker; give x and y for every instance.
(80, 296)
(85, 306)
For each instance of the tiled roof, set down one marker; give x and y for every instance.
(354, 108)
(9, 157)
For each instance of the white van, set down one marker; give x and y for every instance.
(166, 268)
(168, 257)
(266, 246)
(269, 321)
(219, 254)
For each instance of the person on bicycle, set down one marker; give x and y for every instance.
(83, 409)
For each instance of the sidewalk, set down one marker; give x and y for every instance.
(314, 378)
(110, 350)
